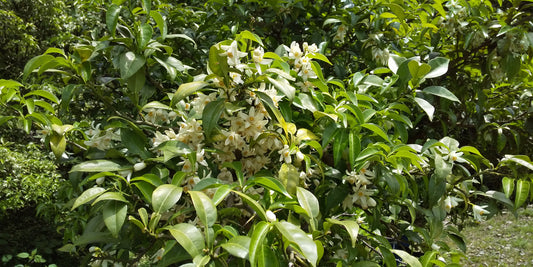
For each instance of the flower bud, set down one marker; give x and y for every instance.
(100, 180)
(271, 217)
(139, 166)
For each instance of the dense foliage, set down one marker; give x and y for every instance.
(281, 132)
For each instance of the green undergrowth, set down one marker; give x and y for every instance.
(503, 240)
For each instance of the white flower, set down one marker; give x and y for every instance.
(294, 51)
(306, 70)
(455, 156)
(201, 100)
(451, 202)
(126, 173)
(257, 56)
(236, 77)
(381, 56)
(285, 154)
(362, 197)
(341, 33)
(361, 177)
(310, 48)
(158, 255)
(190, 182)
(158, 139)
(479, 211)
(306, 86)
(233, 53)
(103, 142)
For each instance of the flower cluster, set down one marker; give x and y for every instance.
(246, 134)
(361, 194)
(101, 139)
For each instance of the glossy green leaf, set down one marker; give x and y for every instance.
(187, 89)
(259, 233)
(260, 211)
(9, 84)
(114, 214)
(267, 257)
(250, 36)
(173, 148)
(218, 64)
(115, 196)
(439, 67)
(130, 63)
(87, 196)
(442, 92)
(100, 165)
(297, 237)
(147, 5)
(35, 63)
(427, 258)
(352, 227)
(205, 208)
(165, 196)
(112, 15)
(290, 177)
(145, 35)
(522, 192)
(319, 57)
(377, 130)
(508, 186)
(221, 193)
(308, 202)
(45, 94)
(426, 107)
(210, 116)
(238, 246)
(417, 70)
(270, 183)
(58, 144)
(135, 142)
(189, 237)
(156, 105)
(409, 259)
(160, 22)
(498, 196)
(284, 86)
(171, 70)
(519, 159)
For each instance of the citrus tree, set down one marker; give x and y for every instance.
(334, 142)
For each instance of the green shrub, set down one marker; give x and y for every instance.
(28, 176)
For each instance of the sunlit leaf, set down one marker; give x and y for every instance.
(352, 227)
(189, 237)
(87, 196)
(238, 246)
(442, 92)
(165, 196)
(426, 107)
(409, 259)
(205, 208)
(303, 242)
